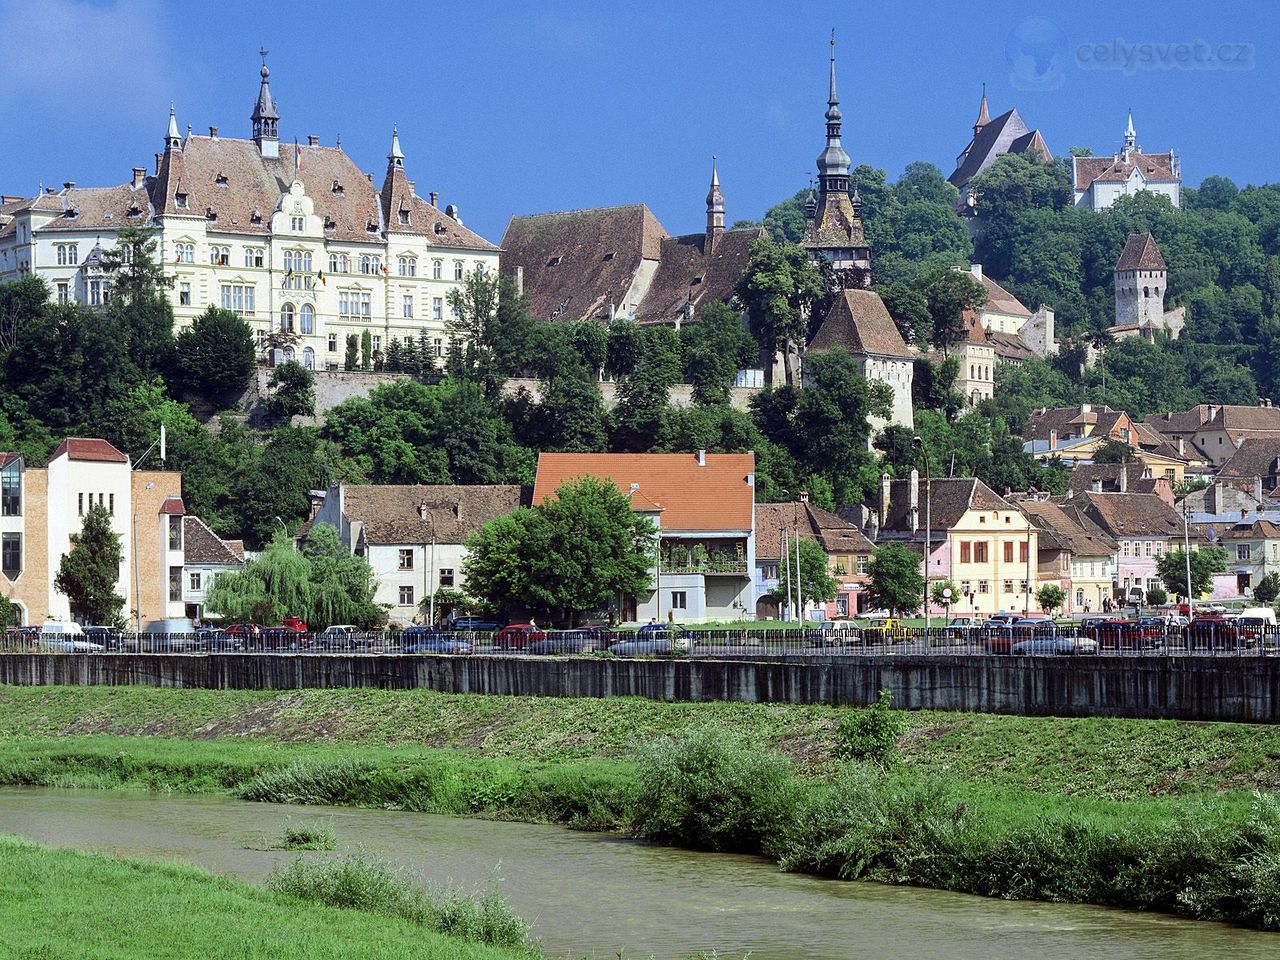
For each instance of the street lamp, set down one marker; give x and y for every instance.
(928, 529)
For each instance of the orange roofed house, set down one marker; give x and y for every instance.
(703, 506)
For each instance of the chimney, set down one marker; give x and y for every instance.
(422, 511)
(213, 133)
(804, 496)
(885, 487)
(434, 197)
(369, 177)
(68, 184)
(1124, 478)
(519, 270)
(313, 140)
(139, 176)
(1257, 489)
(1095, 486)
(976, 270)
(702, 458)
(410, 183)
(1085, 408)
(158, 156)
(913, 504)
(1053, 439)
(1182, 446)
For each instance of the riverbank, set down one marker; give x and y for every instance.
(1145, 814)
(54, 906)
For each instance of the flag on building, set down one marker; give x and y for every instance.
(320, 276)
(297, 159)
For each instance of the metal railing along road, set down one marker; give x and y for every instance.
(1202, 638)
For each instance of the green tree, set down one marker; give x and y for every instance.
(817, 585)
(570, 554)
(352, 359)
(473, 310)
(896, 581)
(1267, 589)
(216, 356)
(1050, 597)
(1156, 597)
(623, 349)
(88, 572)
(20, 301)
(780, 288)
(134, 263)
(571, 417)
(7, 611)
(938, 593)
(292, 391)
(366, 350)
(948, 294)
(1114, 451)
(715, 349)
(1205, 562)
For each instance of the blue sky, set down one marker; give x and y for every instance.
(508, 108)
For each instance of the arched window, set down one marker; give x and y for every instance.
(1146, 292)
(286, 318)
(458, 270)
(308, 358)
(289, 355)
(305, 262)
(437, 269)
(307, 318)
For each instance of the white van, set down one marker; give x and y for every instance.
(1266, 614)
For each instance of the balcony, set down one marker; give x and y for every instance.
(712, 558)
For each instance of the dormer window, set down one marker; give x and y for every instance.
(695, 281)
(71, 213)
(440, 229)
(371, 225)
(609, 256)
(255, 217)
(220, 179)
(181, 200)
(210, 213)
(135, 210)
(554, 261)
(404, 217)
(337, 188)
(330, 223)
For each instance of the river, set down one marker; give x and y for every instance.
(592, 894)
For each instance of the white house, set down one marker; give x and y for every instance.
(414, 536)
(207, 556)
(1101, 181)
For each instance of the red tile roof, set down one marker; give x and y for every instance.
(718, 496)
(1140, 253)
(173, 505)
(1153, 166)
(79, 448)
(860, 323)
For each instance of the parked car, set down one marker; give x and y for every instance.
(281, 638)
(431, 640)
(63, 638)
(473, 624)
(246, 633)
(344, 636)
(216, 640)
(996, 636)
(568, 641)
(111, 638)
(655, 639)
(835, 633)
(1045, 639)
(884, 630)
(1216, 633)
(517, 636)
(961, 630)
(294, 623)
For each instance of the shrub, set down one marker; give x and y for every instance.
(315, 835)
(872, 732)
(1157, 597)
(703, 788)
(325, 782)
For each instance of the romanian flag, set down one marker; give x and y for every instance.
(384, 268)
(297, 159)
(320, 276)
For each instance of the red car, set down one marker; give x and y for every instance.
(294, 623)
(517, 636)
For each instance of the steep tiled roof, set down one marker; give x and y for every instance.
(7, 458)
(173, 506)
(1241, 422)
(834, 534)
(837, 224)
(1082, 478)
(87, 208)
(1009, 346)
(398, 197)
(1125, 515)
(688, 274)
(232, 180)
(860, 322)
(718, 496)
(1140, 253)
(79, 448)
(1153, 166)
(1068, 530)
(1070, 422)
(202, 545)
(1256, 457)
(392, 513)
(577, 262)
(1007, 133)
(1184, 421)
(948, 498)
(1000, 300)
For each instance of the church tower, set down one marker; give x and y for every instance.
(834, 230)
(1141, 279)
(265, 118)
(715, 211)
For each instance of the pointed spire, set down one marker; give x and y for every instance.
(833, 101)
(715, 208)
(1130, 137)
(395, 159)
(984, 117)
(810, 203)
(265, 117)
(833, 163)
(172, 141)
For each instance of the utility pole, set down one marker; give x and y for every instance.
(928, 530)
(1186, 554)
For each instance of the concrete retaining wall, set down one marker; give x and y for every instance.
(1187, 688)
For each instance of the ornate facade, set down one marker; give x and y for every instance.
(297, 239)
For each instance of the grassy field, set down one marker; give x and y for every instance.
(72, 905)
(1116, 759)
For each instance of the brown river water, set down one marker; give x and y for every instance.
(590, 895)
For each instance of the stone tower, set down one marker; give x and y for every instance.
(1141, 278)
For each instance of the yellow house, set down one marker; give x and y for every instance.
(976, 538)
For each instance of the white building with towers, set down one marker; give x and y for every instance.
(293, 236)
(1101, 181)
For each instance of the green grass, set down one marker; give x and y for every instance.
(72, 905)
(1114, 758)
(307, 835)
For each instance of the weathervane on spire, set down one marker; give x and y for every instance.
(262, 52)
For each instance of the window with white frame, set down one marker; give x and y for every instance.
(219, 256)
(459, 271)
(679, 600)
(407, 266)
(437, 308)
(406, 596)
(407, 305)
(307, 318)
(406, 558)
(298, 224)
(287, 314)
(1243, 551)
(254, 256)
(236, 297)
(185, 252)
(97, 293)
(437, 269)
(184, 294)
(333, 343)
(338, 263)
(864, 564)
(370, 264)
(64, 292)
(195, 581)
(446, 576)
(377, 343)
(438, 345)
(68, 254)
(354, 303)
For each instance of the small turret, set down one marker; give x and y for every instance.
(172, 141)
(1130, 138)
(395, 159)
(715, 209)
(265, 117)
(983, 116)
